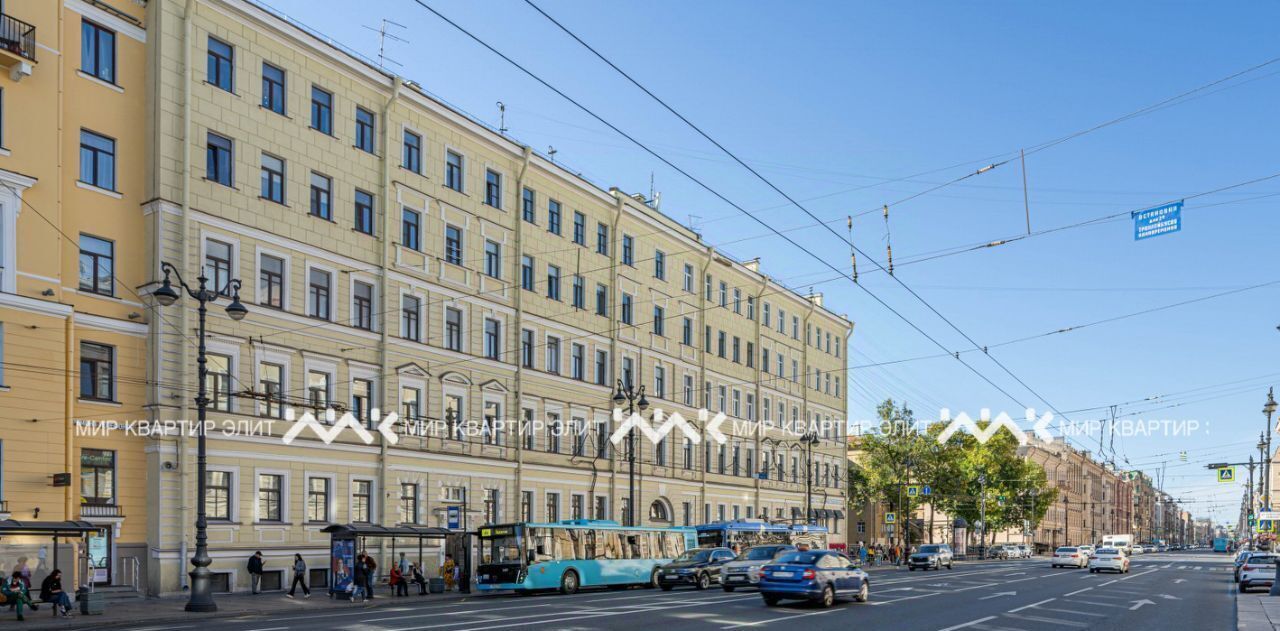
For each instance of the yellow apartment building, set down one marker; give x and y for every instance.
(73, 329)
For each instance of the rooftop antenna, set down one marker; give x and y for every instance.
(502, 118)
(383, 36)
(651, 186)
(551, 151)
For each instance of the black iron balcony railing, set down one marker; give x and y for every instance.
(17, 37)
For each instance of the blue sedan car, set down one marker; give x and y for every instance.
(821, 576)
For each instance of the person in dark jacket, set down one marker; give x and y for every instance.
(299, 577)
(51, 592)
(370, 575)
(255, 572)
(359, 578)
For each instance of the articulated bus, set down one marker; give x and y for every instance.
(568, 555)
(745, 533)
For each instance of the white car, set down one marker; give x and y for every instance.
(1258, 570)
(1136, 549)
(1109, 559)
(1069, 557)
(1087, 549)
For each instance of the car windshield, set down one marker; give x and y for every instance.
(799, 558)
(763, 553)
(1106, 551)
(1067, 550)
(1260, 559)
(698, 556)
(930, 549)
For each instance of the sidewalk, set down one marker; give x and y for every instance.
(169, 610)
(1257, 612)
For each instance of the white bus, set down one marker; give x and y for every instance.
(1122, 542)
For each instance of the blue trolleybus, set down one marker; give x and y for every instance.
(745, 533)
(569, 555)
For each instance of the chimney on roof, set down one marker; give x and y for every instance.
(753, 264)
(816, 299)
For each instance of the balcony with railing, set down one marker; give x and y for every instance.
(17, 46)
(101, 510)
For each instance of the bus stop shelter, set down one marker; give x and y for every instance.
(347, 540)
(21, 533)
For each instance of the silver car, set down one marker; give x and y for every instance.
(744, 571)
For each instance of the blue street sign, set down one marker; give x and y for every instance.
(925, 490)
(455, 517)
(1154, 222)
(762, 476)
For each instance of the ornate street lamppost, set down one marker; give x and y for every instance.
(201, 599)
(634, 400)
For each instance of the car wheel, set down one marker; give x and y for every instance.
(949, 565)
(704, 581)
(665, 588)
(828, 597)
(771, 601)
(569, 582)
(728, 588)
(653, 579)
(911, 568)
(864, 594)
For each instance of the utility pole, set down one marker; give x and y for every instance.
(982, 526)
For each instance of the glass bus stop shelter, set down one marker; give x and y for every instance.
(348, 540)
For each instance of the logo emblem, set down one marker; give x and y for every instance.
(348, 420)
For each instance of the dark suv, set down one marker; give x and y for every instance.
(698, 567)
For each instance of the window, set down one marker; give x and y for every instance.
(364, 129)
(273, 178)
(708, 288)
(412, 154)
(602, 507)
(97, 160)
(219, 160)
(576, 508)
(553, 507)
(795, 327)
(362, 306)
(317, 499)
(579, 228)
(220, 70)
(361, 493)
(453, 170)
(410, 229)
(493, 188)
(660, 382)
(737, 350)
(273, 93)
(526, 348)
(321, 196)
(602, 300)
(737, 301)
(553, 282)
(659, 265)
(97, 372)
(528, 206)
(687, 463)
(364, 212)
(270, 378)
(321, 110)
(410, 317)
(751, 355)
(410, 402)
(724, 294)
(492, 416)
(526, 272)
(493, 259)
(217, 495)
(579, 292)
(628, 250)
(98, 476)
(602, 367)
(688, 389)
(751, 309)
(688, 278)
(602, 239)
(97, 265)
(764, 360)
(217, 265)
(408, 503)
(659, 321)
(526, 505)
(553, 216)
(627, 372)
(720, 344)
(626, 308)
(218, 381)
(270, 486)
(765, 319)
(577, 362)
(318, 390)
(318, 292)
(553, 355)
(98, 51)
(453, 245)
(492, 338)
(453, 329)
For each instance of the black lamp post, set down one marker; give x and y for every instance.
(201, 586)
(1269, 409)
(634, 400)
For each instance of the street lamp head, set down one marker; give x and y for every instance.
(643, 403)
(166, 295)
(236, 310)
(619, 399)
(1270, 407)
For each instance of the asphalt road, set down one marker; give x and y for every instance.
(1162, 591)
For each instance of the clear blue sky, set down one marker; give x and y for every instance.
(831, 99)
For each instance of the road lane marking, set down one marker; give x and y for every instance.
(1065, 623)
(1078, 591)
(1097, 604)
(1074, 612)
(771, 620)
(583, 614)
(1139, 574)
(968, 624)
(1047, 600)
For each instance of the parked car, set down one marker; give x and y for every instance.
(1025, 550)
(1259, 570)
(699, 567)
(1006, 551)
(1069, 556)
(1109, 559)
(1241, 557)
(821, 576)
(931, 556)
(744, 571)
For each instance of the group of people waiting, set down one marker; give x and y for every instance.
(364, 573)
(879, 554)
(16, 591)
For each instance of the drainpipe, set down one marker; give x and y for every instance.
(614, 305)
(184, 519)
(383, 357)
(518, 218)
(759, 407)
(68, 442)
(702, 381)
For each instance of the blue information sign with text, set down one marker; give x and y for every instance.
(1154, 222)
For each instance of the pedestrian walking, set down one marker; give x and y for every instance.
(359, 578)
(370, 575)
(256, 566)
(51, 592)
(299, 577)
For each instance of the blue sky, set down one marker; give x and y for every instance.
(830, 100)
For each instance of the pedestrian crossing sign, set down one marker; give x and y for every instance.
(1227, 475)
(913, 491)
(890, 518)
